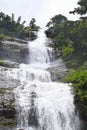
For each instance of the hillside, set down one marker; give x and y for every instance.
(70, 43)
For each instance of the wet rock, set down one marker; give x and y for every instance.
(8, 113)
(7, 109)
(7, 123)
(7, 106)
(33, 95)
(5, 81)
(14, 51)
(33, 118)
(57, 70)
(80, 111)
(9, 64)
(19, 40)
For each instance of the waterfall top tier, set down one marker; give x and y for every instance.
(39, 53)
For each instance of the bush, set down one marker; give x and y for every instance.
(78, 78)
(79, 81)
(67, 51)
(84, 66)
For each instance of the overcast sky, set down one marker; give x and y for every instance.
(41, 10)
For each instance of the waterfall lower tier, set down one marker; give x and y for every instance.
(40, 103)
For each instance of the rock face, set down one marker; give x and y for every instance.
(57, 70)
(81, 112)
(7, 106)
(14, 51)
(11, 55)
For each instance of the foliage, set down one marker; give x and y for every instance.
(33, 26)
(67, 51)
(10, 27)
(78, 79)
(83, 66)
(57, 19)
(69, 38)
(81, 9)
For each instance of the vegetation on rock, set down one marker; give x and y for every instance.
(69, 38)
(12, 28)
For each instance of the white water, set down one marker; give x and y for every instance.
(40, 103)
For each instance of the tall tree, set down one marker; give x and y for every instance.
(12, 17)
(2, 15)
(33, 26)
(81, 9)
(32, 23)
(57, 19)
(19, 19)
(23, 23)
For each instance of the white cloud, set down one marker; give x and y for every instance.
(42, 10)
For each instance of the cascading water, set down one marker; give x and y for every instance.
(40, 103)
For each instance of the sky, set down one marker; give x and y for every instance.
(41, 10)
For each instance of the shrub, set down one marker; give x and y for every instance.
(78, 78)
(67, 51)
(79, 81)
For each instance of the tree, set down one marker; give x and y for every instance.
(81, 9)
(23, 23)
(10, 27)
(57, 19)
(12, 17)
(19, 20)
(32, 23)
(33, 26)
(1, 16)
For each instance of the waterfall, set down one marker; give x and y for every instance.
(40, 103)
(38, 51)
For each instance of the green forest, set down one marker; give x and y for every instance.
(70, 41)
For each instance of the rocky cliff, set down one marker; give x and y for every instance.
(14, 51)
(11, 55)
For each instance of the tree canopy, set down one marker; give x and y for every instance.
(81, 9)
(69, 38)
(10, 27)
(57, 19)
